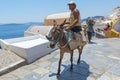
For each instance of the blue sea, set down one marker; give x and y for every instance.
(8, 31)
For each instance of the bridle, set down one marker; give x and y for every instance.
(60, 36)
(56, 41)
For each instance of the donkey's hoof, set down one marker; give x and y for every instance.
(71, 69)
(78, 62)
(58, 74)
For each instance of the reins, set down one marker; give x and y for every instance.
(59, 43)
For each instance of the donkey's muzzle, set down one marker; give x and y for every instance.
(49, 38)
(52, 45)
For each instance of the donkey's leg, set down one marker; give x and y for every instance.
(80, 52)
(60, 60)
(71, 59)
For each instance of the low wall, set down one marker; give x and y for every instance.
(50, 21)
(30, 48)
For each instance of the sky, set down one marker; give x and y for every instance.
(22, 11)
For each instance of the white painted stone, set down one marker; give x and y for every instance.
(29, 48)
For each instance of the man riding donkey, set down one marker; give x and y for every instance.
(58, 36)
(74, 28)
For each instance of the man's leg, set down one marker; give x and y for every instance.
(89, 36)
(67, 36)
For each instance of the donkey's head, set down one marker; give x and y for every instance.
(55, 33)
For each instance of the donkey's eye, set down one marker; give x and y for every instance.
(58, 25)
(53, 31)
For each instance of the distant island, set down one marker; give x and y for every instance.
(29, 23)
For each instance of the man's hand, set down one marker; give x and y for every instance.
(67, 28)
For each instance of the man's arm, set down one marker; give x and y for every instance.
(76, 16)
(67, 23)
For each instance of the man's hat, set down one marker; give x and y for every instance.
(71, 2)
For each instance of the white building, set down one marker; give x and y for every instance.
(115, 13)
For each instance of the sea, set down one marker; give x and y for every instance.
(8, 31)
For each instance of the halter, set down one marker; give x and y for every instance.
(55, 41)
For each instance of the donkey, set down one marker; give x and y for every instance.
(57, 36)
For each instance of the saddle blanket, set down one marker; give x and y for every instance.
(74, 39)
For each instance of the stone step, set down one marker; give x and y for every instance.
(9, 61)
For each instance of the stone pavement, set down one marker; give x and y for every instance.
(100, 61)
(9, 61)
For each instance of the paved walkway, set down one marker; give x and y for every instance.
(9, 61)
(100, 61)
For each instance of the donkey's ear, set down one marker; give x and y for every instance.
(48, 37)
(64, 22)
(54, 22)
